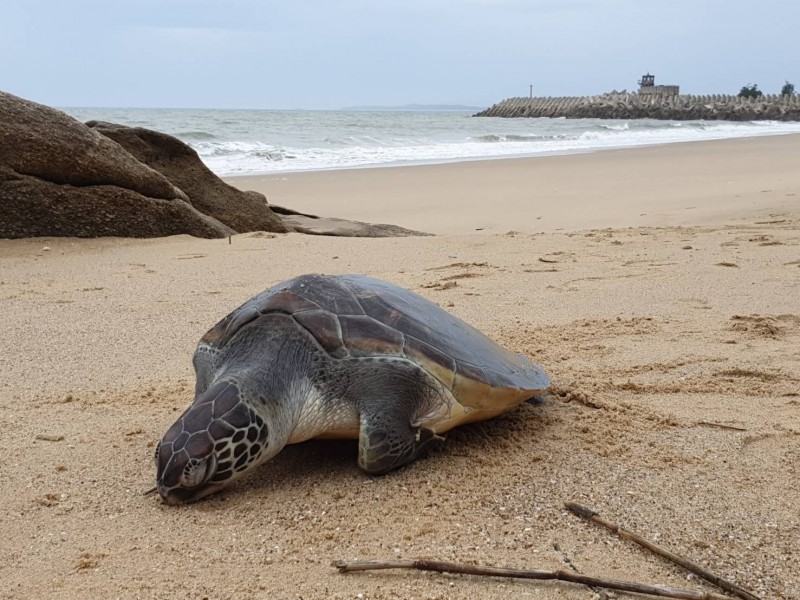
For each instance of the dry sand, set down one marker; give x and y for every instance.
(675, 411)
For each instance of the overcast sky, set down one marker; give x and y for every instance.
(334, 53)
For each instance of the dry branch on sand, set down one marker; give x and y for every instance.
(663, 591)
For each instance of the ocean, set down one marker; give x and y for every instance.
(251, 142)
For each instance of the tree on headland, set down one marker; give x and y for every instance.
(787, 89)
(750, 91)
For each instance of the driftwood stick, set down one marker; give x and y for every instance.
(447, 567)
(726, 585)
(721, 426)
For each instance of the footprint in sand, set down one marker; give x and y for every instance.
(466, 275)
(697, 303)
(550, 270)
(765, 240)
(461, 265)
(771, 326)
(440, 285)
(450, 281)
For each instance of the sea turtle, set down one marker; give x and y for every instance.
(343, 356)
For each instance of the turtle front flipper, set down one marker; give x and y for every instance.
(390, 397)
(391, 443)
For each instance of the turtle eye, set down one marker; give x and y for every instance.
(155, 454)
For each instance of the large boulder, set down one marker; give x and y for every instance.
(241, 211)
(59, 177)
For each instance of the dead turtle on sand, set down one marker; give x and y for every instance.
(334, 357)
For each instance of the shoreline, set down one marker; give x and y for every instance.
(522, 155)
(654, 185)
(544, 154)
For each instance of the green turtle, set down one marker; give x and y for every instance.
(344, 356)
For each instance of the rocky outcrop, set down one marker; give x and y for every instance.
(59, 177)
(180, 164)
(652, 106)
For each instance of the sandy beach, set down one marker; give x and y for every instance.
(653, 186)
(659, 286)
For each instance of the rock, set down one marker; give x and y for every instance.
(314, 225)
(45, 143)
(33, 207)
(58, 177)
(241, 211)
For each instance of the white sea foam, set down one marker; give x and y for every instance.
(255, 157)
(243, 142)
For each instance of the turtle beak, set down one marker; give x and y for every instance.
(180, 495)
(168, 496)
(192, 483)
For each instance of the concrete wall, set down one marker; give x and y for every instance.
(672, 90)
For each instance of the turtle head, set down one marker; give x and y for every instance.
(214, 442)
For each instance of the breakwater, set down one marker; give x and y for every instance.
(684, 107)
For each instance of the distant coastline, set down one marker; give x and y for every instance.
(416, 107)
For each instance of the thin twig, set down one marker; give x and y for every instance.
(721, 426)
(726, 585)
(152, 490)
(447, 567)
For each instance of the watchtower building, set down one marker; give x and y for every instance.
(647, 85)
